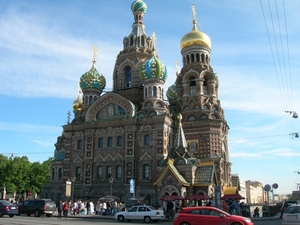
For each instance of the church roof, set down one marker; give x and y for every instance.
(204, 175)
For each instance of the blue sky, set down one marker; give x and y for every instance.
(45, 46)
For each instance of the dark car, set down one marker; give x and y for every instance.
(7, 208)
(286, 204)
(37, 207)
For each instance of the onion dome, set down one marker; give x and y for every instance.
(153, 68)
(92, 79)
(172, 93)
(138, 5)
(195, 37)
(77, 104)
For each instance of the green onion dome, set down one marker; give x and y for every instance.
(139, 5)
(172, 93)
(153, 68)
(92, 80)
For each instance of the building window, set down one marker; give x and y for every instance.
(108, 172)
(99, 172)
(78, 172)
(146, 172)
(118, 172)
(109, 142)
(128, 77)
(154, 91)
(100, 143)
(79, 144)
(120, 141)
(146, 140)
(59, 174)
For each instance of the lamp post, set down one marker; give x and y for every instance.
(3, 191)
(73, 184)
(111, 180)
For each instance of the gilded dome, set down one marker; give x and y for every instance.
(77, 104)
(153, 68)
(172, 93)
(195, 37)
(92, 79)
(138, 5)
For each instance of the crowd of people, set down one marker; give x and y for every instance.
(87, 207)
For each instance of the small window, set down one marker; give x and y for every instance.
(120, 141)
(146, 140)
(108, 172)
(146, 172)
(79, 144)
(99, 172)
(118, 172)
(78, 172)
(100, 143)
(109, 142)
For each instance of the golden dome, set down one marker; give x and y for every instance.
(77, 104)
(195, 37)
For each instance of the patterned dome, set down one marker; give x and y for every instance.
(77, 104)
(153, 68)
(138, 5)
(92, 79)
(172, 93)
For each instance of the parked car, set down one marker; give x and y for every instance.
(207, 215)
(37, 207)
(7, 208)
(286, 204)
(291, 215)
(140, 212)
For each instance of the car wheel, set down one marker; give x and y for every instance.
(121, 218)
(1, 214)
(36, 213)
(48, 215)
(11, 215)
(147, 219)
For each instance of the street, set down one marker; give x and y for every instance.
(29, 220)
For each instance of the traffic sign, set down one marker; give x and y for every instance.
(275, 186)
(29, 193)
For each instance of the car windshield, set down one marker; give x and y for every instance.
(292, 209)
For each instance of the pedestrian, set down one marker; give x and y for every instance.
(170, 209)
(88, 207)
(66, 209)
(59, 207)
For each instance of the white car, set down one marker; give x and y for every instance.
(291, 215)
(140, 212)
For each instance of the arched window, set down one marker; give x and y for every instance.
(193, 88)
(188, 59)
(143, 41)
(100, 143)
(53, 174)
(90, 100)
(146, 171)
(79, 144)
(127, 77)
(192, 81)
(154, 91)
(193, 58)
(197, 57)
(78, 172)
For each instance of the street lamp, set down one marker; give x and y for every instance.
(3, 191)
(73, 184)
(111, 180)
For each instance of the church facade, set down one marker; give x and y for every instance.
(131, 141)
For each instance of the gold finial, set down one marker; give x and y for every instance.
(179, 117)
(194, 12)
(95, 53)
(177, 67)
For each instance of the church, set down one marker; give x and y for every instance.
(130, 142)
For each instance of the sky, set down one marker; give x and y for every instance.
(45, 46)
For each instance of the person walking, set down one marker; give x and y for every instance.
(59, 207)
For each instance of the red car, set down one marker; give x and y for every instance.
(202, 215)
